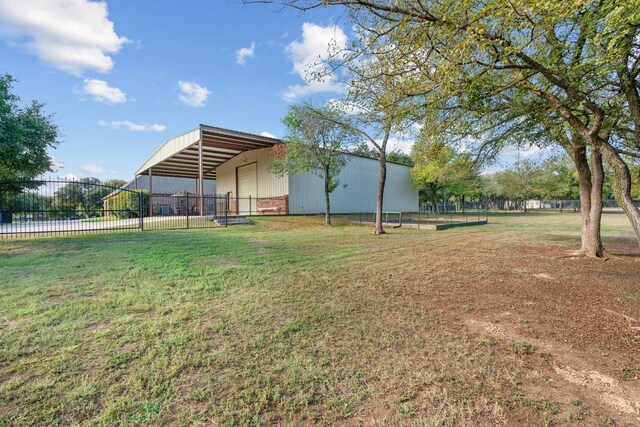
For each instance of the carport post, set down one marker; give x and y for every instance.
(200, 176)
(150, 193)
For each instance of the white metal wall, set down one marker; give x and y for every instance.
(356, 191)
(269, 185)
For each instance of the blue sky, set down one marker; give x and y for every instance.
(123, 76)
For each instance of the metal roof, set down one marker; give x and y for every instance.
(179, 156)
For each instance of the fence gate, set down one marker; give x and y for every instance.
(183, 210)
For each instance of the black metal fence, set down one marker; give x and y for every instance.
(184, 210)
(54, 207)
(610, 206)
(30, 208)
(425, 219)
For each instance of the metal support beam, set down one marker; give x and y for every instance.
(200, 176)
(150, 193)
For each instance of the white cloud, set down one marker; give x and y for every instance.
(102, 92)
(133, 127)
(71, 177)
(402, 145)
(268, 135)
(92, 169)
(71, 35)
(193, 94)
(395, 144)
(317, 44)
(524, 151)
(244, 53)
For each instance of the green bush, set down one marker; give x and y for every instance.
(126, 204)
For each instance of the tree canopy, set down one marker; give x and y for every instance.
(25, 136)
(316, 141)
(440, 173)
(497, 72)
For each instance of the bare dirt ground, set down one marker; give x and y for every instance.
(581, 314)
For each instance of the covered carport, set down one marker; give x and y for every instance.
(197, 154)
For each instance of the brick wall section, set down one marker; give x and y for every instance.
(273, 205)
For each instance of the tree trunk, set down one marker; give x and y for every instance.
(590, 185)
(434, 200)
(327, 202)
(622, 187)
(382, 157)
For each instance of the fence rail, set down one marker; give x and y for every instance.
(517, 205)
(53, 207)
(425, 220)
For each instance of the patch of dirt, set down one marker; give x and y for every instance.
(61, 297)
(98, 326)
(14, 323)
(611, 392)
(577, 375)
(128, 347)
(258, 242)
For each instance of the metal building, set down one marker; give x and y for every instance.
(240, 164)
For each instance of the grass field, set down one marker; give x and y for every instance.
(287, 322)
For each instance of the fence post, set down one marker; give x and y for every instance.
(249, 204)
(226, 212)
(141, 210)
(188, 209)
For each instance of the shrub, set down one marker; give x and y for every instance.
(126, 204)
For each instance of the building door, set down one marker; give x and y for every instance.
(247, 189)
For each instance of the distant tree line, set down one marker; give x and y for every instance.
(441, 174)
(82, 198)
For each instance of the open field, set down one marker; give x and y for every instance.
(287, 322)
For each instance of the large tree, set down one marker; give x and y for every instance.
(316, 141)
(25, 136)
(575, 63)
(83, 197)
(376, 112)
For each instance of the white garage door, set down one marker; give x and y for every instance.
(247, 187)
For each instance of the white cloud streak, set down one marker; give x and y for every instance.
(71, 35)
(133, 127)
(244, 53)
(100, 91)
(92, 169)
(308, 55)
(193, 94)
(268, 135)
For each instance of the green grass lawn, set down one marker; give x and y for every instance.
(288, 322)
